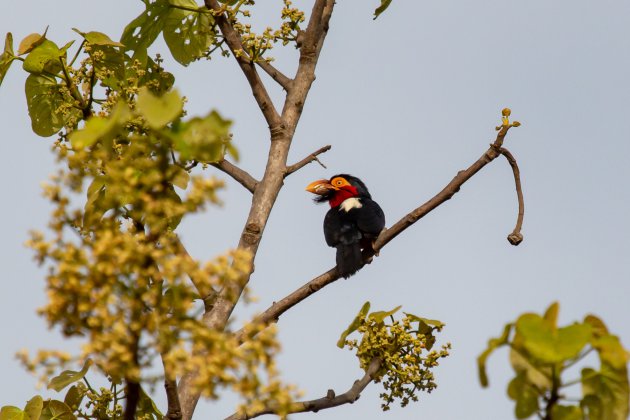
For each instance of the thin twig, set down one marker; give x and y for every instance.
(310, 158)
(174, 411)
(329, 401)
(238, 174)
(516, 237)
(276, 74)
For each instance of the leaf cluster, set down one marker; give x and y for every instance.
(542, 354)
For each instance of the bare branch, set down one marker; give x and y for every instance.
(274, 312)
(238, 174)
(447, 192)
(310, 158)
(516, 237)
(329, 401)
(276, 75)
(234, 42)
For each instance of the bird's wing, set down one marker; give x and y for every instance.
(370, 217)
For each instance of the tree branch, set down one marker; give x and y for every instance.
(234, 42)
(239, 175)
(516, 237)
(174, 411)
(310, 158)
(329, 401)
(276, 75)
(278, 308)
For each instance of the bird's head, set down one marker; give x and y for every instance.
(337, 189)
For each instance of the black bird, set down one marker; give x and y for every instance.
(353, 221)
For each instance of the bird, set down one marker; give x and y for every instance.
(353, 221)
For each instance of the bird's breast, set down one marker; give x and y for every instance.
(350, 203)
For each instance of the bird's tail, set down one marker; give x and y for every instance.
(349, 259)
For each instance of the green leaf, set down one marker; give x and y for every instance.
(8, 412)
(188, 34)
(69, 376)
(73, 398)
(551, 314)
(181, 177)
(606, 393)
(566, 412)
(7, 56)
(599, 328)
(146, 407)
(549, 345)
(98, 38)
(525, 395)
(34, 407)
(202, 139)
(44, 98)
(100, 128)
(493, 344)
(143, 30)
(380, 316)
(354, 325)
(159, 111)
(155, 79)
(56, 410)
(31, 41)
(380, 9)
(432, 322)
(611, 351)
(44, 58)
(537, 375)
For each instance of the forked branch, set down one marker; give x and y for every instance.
(329, 401)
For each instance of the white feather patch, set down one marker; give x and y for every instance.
(350, 203)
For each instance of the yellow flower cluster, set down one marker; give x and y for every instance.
(118, 276)
(404, 348)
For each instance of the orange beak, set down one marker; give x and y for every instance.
(320, 187)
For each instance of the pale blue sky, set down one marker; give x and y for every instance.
(406, 101)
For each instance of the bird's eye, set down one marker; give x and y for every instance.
(339, 182)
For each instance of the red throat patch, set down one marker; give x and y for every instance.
(345, 192)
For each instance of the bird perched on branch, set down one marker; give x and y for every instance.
(353, 221)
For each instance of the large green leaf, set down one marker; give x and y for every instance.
(188, 34)
(606, 393)
(56, 410)
(535, 373)
(7, 56)
(356, 323)
(68, 376)
(31, 41)
(493, 344)
(44, 98)
(551, 345)
(202, 139)
(8, 412)
(44, 58)
(143, 30)
(159, 111)
(611, 351)
(525, 395)
(73, 398)
(34, 407)
(566, 412)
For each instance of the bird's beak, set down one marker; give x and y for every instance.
(320, 187)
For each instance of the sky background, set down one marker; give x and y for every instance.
(406, 101)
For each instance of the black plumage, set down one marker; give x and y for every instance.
(352, 222)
